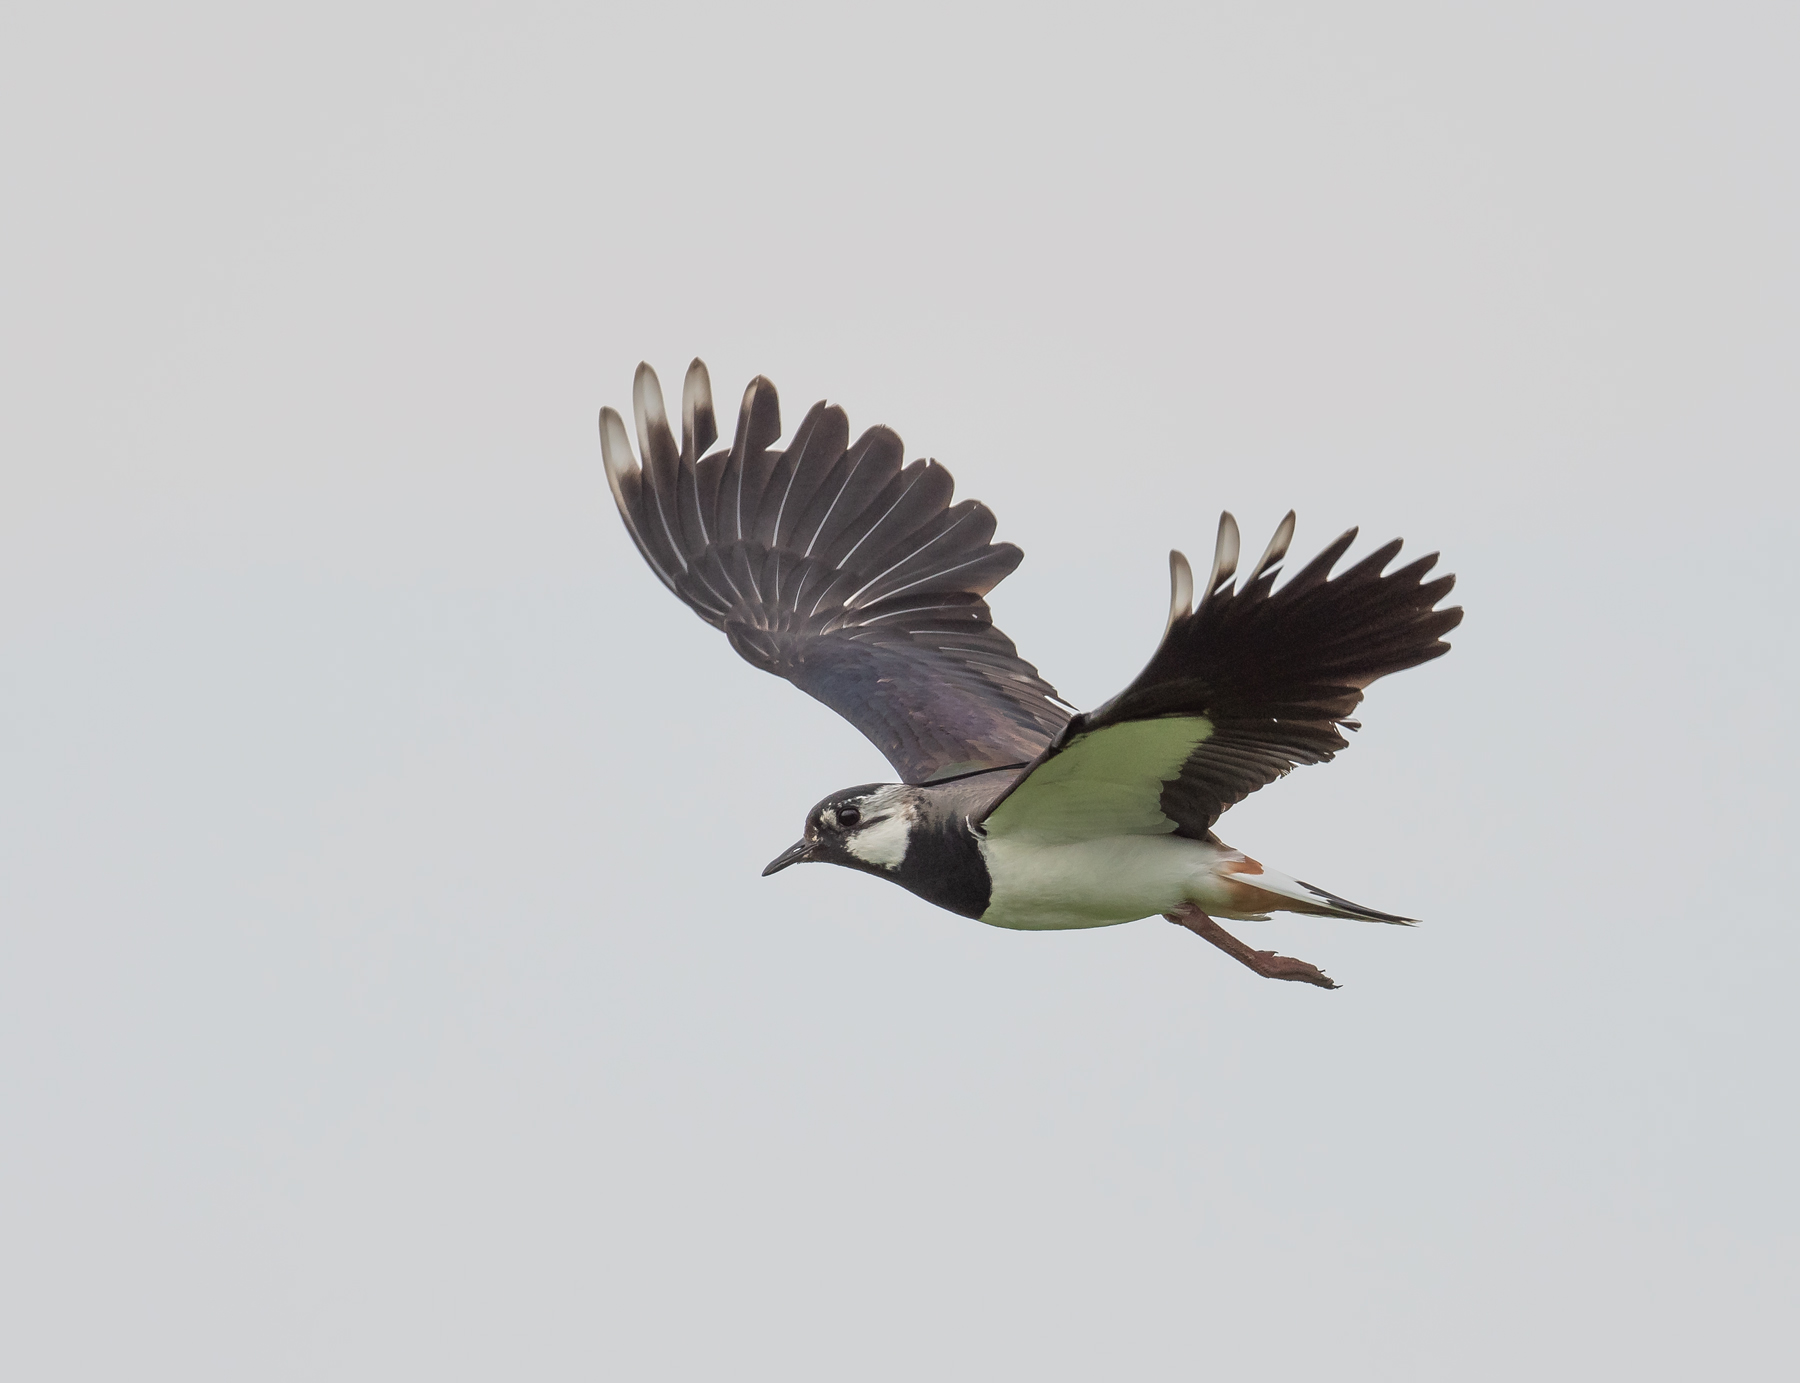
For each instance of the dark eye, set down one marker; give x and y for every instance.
(848, 817)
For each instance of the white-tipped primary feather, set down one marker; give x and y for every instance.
(698, 428)
(1225, 556)
(615, 452)
(1181, 590)
(647, 405)
(1277, 548)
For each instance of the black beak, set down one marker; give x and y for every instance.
(799, 851)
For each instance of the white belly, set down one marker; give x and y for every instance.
(1048, 886)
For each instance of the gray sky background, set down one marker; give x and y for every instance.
(386, 985)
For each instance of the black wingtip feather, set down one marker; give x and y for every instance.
(699, 428)
(759, 420)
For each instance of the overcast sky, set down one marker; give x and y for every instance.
(386, 985)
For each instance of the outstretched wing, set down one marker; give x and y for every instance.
(833, 565)
(1241, 690)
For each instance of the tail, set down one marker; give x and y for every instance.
(1335, 906)
(1267, 890)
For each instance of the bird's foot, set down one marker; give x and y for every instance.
(1265, 963)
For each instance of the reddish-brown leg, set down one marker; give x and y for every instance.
(1263, 962)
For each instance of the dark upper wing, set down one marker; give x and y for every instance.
(834, 566)
(1252, 683)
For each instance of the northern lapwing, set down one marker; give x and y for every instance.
(850, 573)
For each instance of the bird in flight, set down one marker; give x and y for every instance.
(850, 573)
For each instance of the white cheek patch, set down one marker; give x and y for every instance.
(883, 843)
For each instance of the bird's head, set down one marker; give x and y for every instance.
(866, 828)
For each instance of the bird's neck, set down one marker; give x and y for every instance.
(944, 865)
